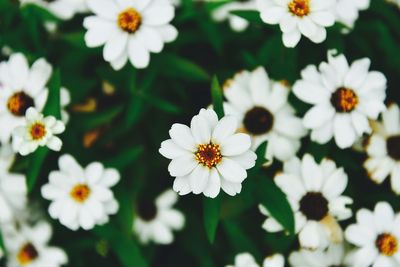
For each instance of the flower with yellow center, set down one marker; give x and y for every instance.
(387, 244)
(129, 20)
(80, 193)
(299, 8)
(27, 254)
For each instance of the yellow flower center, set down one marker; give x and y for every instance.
(27, 254)
(18, 103)
(299, 8)
(129, 20)
(80, 193)
(209, 155)
(37, 131)
(387, 244)
(344, 100)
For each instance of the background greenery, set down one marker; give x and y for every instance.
(135, 109)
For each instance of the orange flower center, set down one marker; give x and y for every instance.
(37, 131)
(387, 244)
(129, 20)
(344, 100)
(299, 8)
(27, 254)
(209, 155)
(18, 103)
(80, 193)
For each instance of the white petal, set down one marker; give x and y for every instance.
(291, 39)
(54, 143)
(38, 77)
(139, 56)
(357, 73)
(182, 185)
(272, 15)
(115, 46)
(246, 160)
(344, 131)
(312, 175)
(170, 150)
(182, 136)
(231, 170)
(199, 178)
(214, 184)
(104, 8)
(182, 166)
(151, 39)
(158, 15)
(226, 127)
(235, 145)
(201, 130)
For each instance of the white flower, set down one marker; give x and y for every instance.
(38, 131)
(383, 149)
(81, 197)
(65, 100)
(247, 260)
(156, 221)
(376, 235)
(130, 29)
(333, 256)
(13, 190)
(276, 260)
(314, 193)
(63, 9)
(29, 248)
(343, 97)
(347, 11)
(21, 87)
(223, 12)
(299, 17)
(208, 156)
(262, 107)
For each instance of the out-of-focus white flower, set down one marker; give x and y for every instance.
(81, 197)
(28, 247)
(63, 9)
(333, 256)
(299, 17)
(383, 149)
(129, 29)
(376, 235)
(314, 192)
(38, 131)
(264, 112)
(276, 260)
(237, 23)
(156, 221)
(65, 100)
(347, 11)
(343, 97)
(247, 260)
(209, 155)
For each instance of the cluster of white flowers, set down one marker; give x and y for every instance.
(247, 260)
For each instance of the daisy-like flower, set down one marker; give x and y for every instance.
(333, 256)
(208, 155)
(247, 260)
(21, 88)
(63, 9)
(81, 197)
(28, 247)
(299, 17)
(347, 11)
(376, 234)
(343, 97)
(315, 195)
(262, 107)
(13, 191)
(237, 23)
(384, 149)
(156, 221)
(38, 131)
(130, 29)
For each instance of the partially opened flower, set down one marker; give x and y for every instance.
(157, 221)
(28, 247)
(376, 234)
(208, 155)
(299, 17)
(264, 112)
(343, 97)
(237, 23)
(37, 131)
(130, 29)
(81, 197)
(63, 9)
(314, 192)
(347, 11)
(334, 255)
(383, 149)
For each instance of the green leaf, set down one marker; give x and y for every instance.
(211, 216)
(179, 67)
(93, 120)
(217, 98)
(251, 16)
(260, 152)
(2, 247)
(125, 157)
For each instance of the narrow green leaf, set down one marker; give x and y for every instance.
(93, 120)
(182, 68)
(260, 152)
(2, 247)
(125, 157)
(217, 97)
(211, 216)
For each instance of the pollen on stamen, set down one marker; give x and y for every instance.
(208, 155)
(344, 100)
(27, 254)
(37, 131)
(80, 193)
(18, 103)
(129, 20)
(387, 244)
(299, 8)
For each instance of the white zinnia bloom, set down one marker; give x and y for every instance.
(343, 97)
(208, 155)
(63, 9)
(81, 197)
(262, 107)
(276, 260)
(376, 235)
(247, 260)
(28, 247)
(130, 29)
(21, 87)
(237, 23)
(37, 131)
(333, 256)
(156, 221)
(314, 192)
(347, 11)
(299, 17)
(383, 149)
